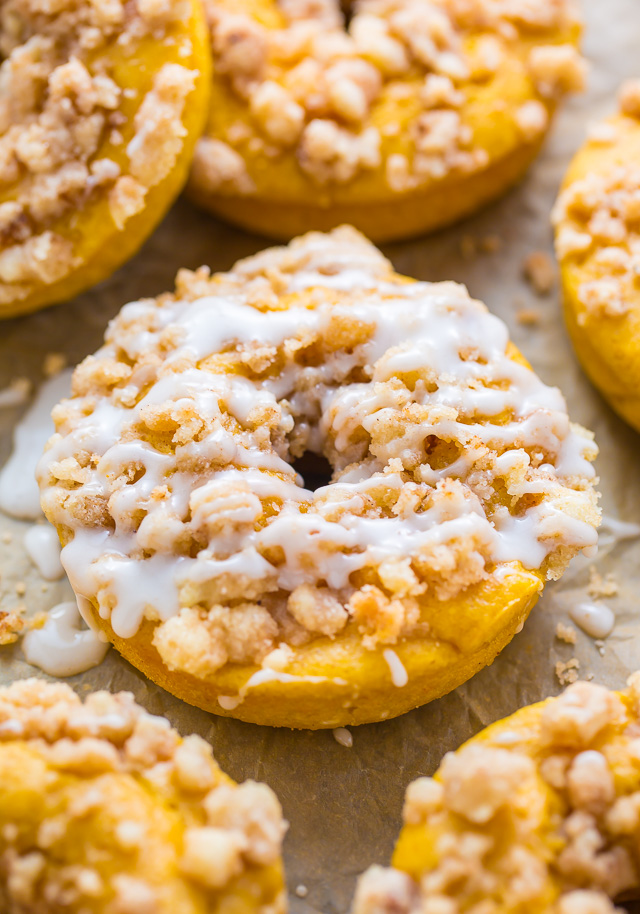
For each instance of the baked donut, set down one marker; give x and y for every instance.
(537, 814)
(414, 116)
(597, 223)
(101, 103)
(104, 809)
(457, 486)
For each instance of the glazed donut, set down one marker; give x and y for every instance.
(458, 485)
(597, 223)
(414, 116)
(101, 103)
(104, 809)
(537, 814)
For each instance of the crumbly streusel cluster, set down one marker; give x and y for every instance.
(60, 104)
(170, 476)
(227, 828)
(312, 85)
(598, 218)
(565, 790)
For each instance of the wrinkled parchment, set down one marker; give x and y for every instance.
(344, 804)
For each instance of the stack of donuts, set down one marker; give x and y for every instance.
(453, 483)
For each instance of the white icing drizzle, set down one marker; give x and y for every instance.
(595, 619)
(43, 548)
(266, 675)
(19, 494)
(399, 675)
(343, 736)
(62, 647)
(415, 327)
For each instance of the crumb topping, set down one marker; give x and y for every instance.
(318, 87)
(542, 814)
(93, 757)
(171, 471)
(62, 112)
(597, 220)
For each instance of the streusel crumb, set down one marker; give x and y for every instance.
(314, 87)
(559, 779)
(60, 102)
(106, 790)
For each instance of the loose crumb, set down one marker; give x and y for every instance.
(54, 363)
(21, 588)
(16, 393)
(12, 625)
(599, 586)
(491, 244)
(302, 891)
(468, 247)
(528, 317)
(566, 633)
(540, 272)
(567, 671)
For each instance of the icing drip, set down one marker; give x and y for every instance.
(43, 548)
(399, 676)
(343, 736)
(595, 619)
(19, 494)
(62, 647)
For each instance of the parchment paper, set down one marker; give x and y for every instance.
(344, 804)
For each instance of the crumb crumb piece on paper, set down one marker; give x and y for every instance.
(600, 646)
(54, 363)
(566, 633)
(540, 272)
(599, 586)
(528, 317)
(468, 247)
(12, 624)
(567, 671)
(21, 588)
(302, 891)
(16, 394)
(491, 244)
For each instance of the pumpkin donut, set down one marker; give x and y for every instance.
(458, 485)
(597, 223)
(104, 809)
(414, 116)
(537, 814)
(100, 106)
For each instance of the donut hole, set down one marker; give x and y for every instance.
(440, 453)
(315, 470)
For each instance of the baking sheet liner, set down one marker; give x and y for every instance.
(344, 804)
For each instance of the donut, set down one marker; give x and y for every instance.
(537, 814)
(104, 809)
(597, 225)
(413, 116)
(453, 485)
(101, 104)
